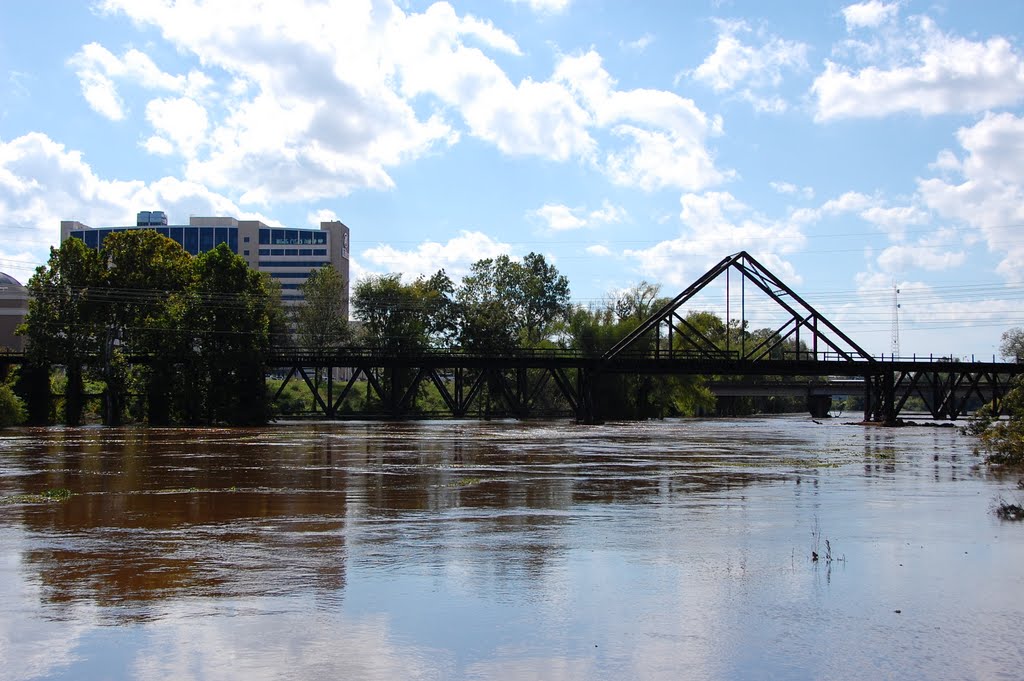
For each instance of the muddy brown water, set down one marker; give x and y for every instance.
(506, 550)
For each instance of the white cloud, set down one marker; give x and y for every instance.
(873, 209)
(659, 159)
(900, 258)
(158, 146)
(314, 218)
(455, 256)
(97, 68)
(180, 120)
(598, 250)
(42, 183)
(314, 100)
(870, 14)
(988, 195)
(895, 219)
(790, 189)
(848, 202)
(545, 6)
(718, 224)
(560, 218)
(607, 214)
(734, 63)
(928, 72)
(664, 134)
(638, 45)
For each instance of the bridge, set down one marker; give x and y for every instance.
(806, 354)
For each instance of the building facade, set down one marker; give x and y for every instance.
(13, 308)
(287, 255)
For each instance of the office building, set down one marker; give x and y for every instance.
(287, 255)
(13, 308)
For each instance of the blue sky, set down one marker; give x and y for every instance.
(850, 147)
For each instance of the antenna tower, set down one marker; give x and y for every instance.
(895, 320)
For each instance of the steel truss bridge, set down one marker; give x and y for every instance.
(807, 354)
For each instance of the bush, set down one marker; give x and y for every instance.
(1004, 439)
(12, 410)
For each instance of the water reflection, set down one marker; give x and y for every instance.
(504, 550)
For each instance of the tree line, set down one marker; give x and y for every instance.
(187, 336)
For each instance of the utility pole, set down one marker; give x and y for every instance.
(895, 320)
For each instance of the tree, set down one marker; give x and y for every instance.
(393, 316)
(595, 330)
(227, 310)
(318, 318)
(507, 304)
(402, 318)
(1003, 438)
(638, 302)
(12, 409)
(142, 270)
(63, 326)
(1011, 346)
(319, 324)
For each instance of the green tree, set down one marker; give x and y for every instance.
(631, 396)
(227, 309)
(1011, 345)
(1003, 438)
(319, 323)
(142, 271)
(398, 318)
(507, 304)
(64, 325)
(12, 409)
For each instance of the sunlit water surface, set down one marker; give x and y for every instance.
(505, 550)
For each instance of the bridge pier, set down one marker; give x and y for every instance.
(819, 405)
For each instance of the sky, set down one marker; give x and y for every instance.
(854, 149)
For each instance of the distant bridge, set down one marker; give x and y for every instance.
(807, 354)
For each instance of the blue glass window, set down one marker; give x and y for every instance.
(305, 251)
(320, 237)
(192, 240)
(264, 251)
(291, 251)
(90, 239)
(319, 251)
(294, 263)
(276, 251)
(205, 239)
(77, 234)
(277, 236)
(162, 231)
(175, 233)
(220, 235)
(292, 235)
(264, 236)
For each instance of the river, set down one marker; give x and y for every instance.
(508, 550)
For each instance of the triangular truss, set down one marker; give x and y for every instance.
(667, 333)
